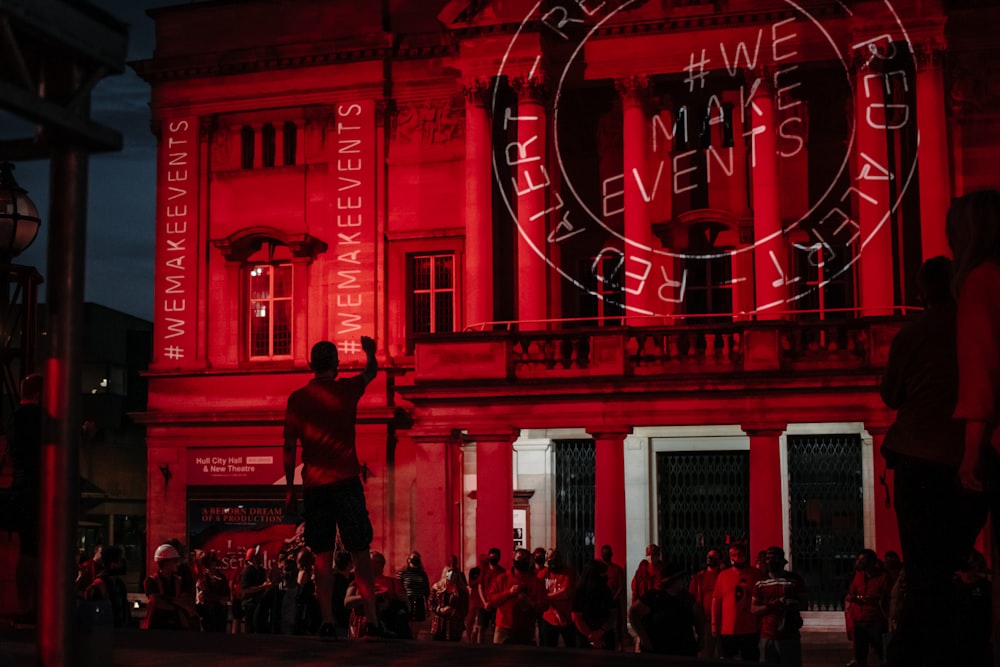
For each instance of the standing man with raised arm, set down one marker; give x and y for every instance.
(322, 416)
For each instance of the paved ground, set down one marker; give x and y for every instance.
(135, 648)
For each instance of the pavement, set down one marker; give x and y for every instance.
(137, 648)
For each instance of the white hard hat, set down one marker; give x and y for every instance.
(166, 552)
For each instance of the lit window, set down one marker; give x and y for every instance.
(433, 294)
(270, 310)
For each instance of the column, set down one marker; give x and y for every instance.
(641, 298)
(766, 499)
(529, 158)
(431, 524)
(478, 283)
(870, 192)
(933, 160)
(884, 514)
(769, 288)
(372, 445)
(609, 492)
(494, 491)
(638, 501)
(661, 208)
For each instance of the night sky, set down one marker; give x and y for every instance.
(120, 206)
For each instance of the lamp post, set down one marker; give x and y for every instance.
(19, 223)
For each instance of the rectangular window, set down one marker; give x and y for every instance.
(823, 281)
(432, 280)
(267, 150)
(246, 147)
(709, 287)
(270, 310)
(290, 136)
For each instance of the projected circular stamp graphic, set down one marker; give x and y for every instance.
(706, 164)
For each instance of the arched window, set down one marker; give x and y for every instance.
(270, 266)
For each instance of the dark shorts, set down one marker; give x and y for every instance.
(332, 506)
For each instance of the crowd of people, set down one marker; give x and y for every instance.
(730, 609)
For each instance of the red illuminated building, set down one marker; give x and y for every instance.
(633, 267)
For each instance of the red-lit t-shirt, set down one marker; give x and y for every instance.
(703, 586)
(773, 592)
(322, 417)
(979, 347)
(516, 612)
(559, 588)
(731, 613)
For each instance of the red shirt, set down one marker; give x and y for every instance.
(772, 591)
(645, 578)
(516, 612)
(559, 588)
(616, 580)
(731, 613)
(703, 586)
(979, 347)
(869, 597)
(322, 417)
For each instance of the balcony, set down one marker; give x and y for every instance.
(778, 347)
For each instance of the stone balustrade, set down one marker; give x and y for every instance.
(717, 348)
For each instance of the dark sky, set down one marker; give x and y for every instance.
(120, 206)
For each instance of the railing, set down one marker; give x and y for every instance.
(704, 348)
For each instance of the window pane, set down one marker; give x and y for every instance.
(283, 281)
(444, 317)
(260, 282)
(260, 326)
(290, 137)
(246, 147)
(421, 313)
(443, 272)
(267, 145)
(282, 327)
(421, 273)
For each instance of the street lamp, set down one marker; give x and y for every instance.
(19, 221)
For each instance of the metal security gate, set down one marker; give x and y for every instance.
(702, 501)
(826, 514)
(575, 464)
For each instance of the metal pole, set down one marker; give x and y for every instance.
(57, 639)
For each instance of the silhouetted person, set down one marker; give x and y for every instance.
(971, 613)
(868, 600)
(323, 417)
(737, 629)
(938, 521)
(702, 587)
(973, 229)
(24, 446)
(778, 600)
(668, 618)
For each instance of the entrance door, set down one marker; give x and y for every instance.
(703, 501)
(575, 492)
(826, 514)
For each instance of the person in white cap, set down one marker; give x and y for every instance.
(167, 608)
